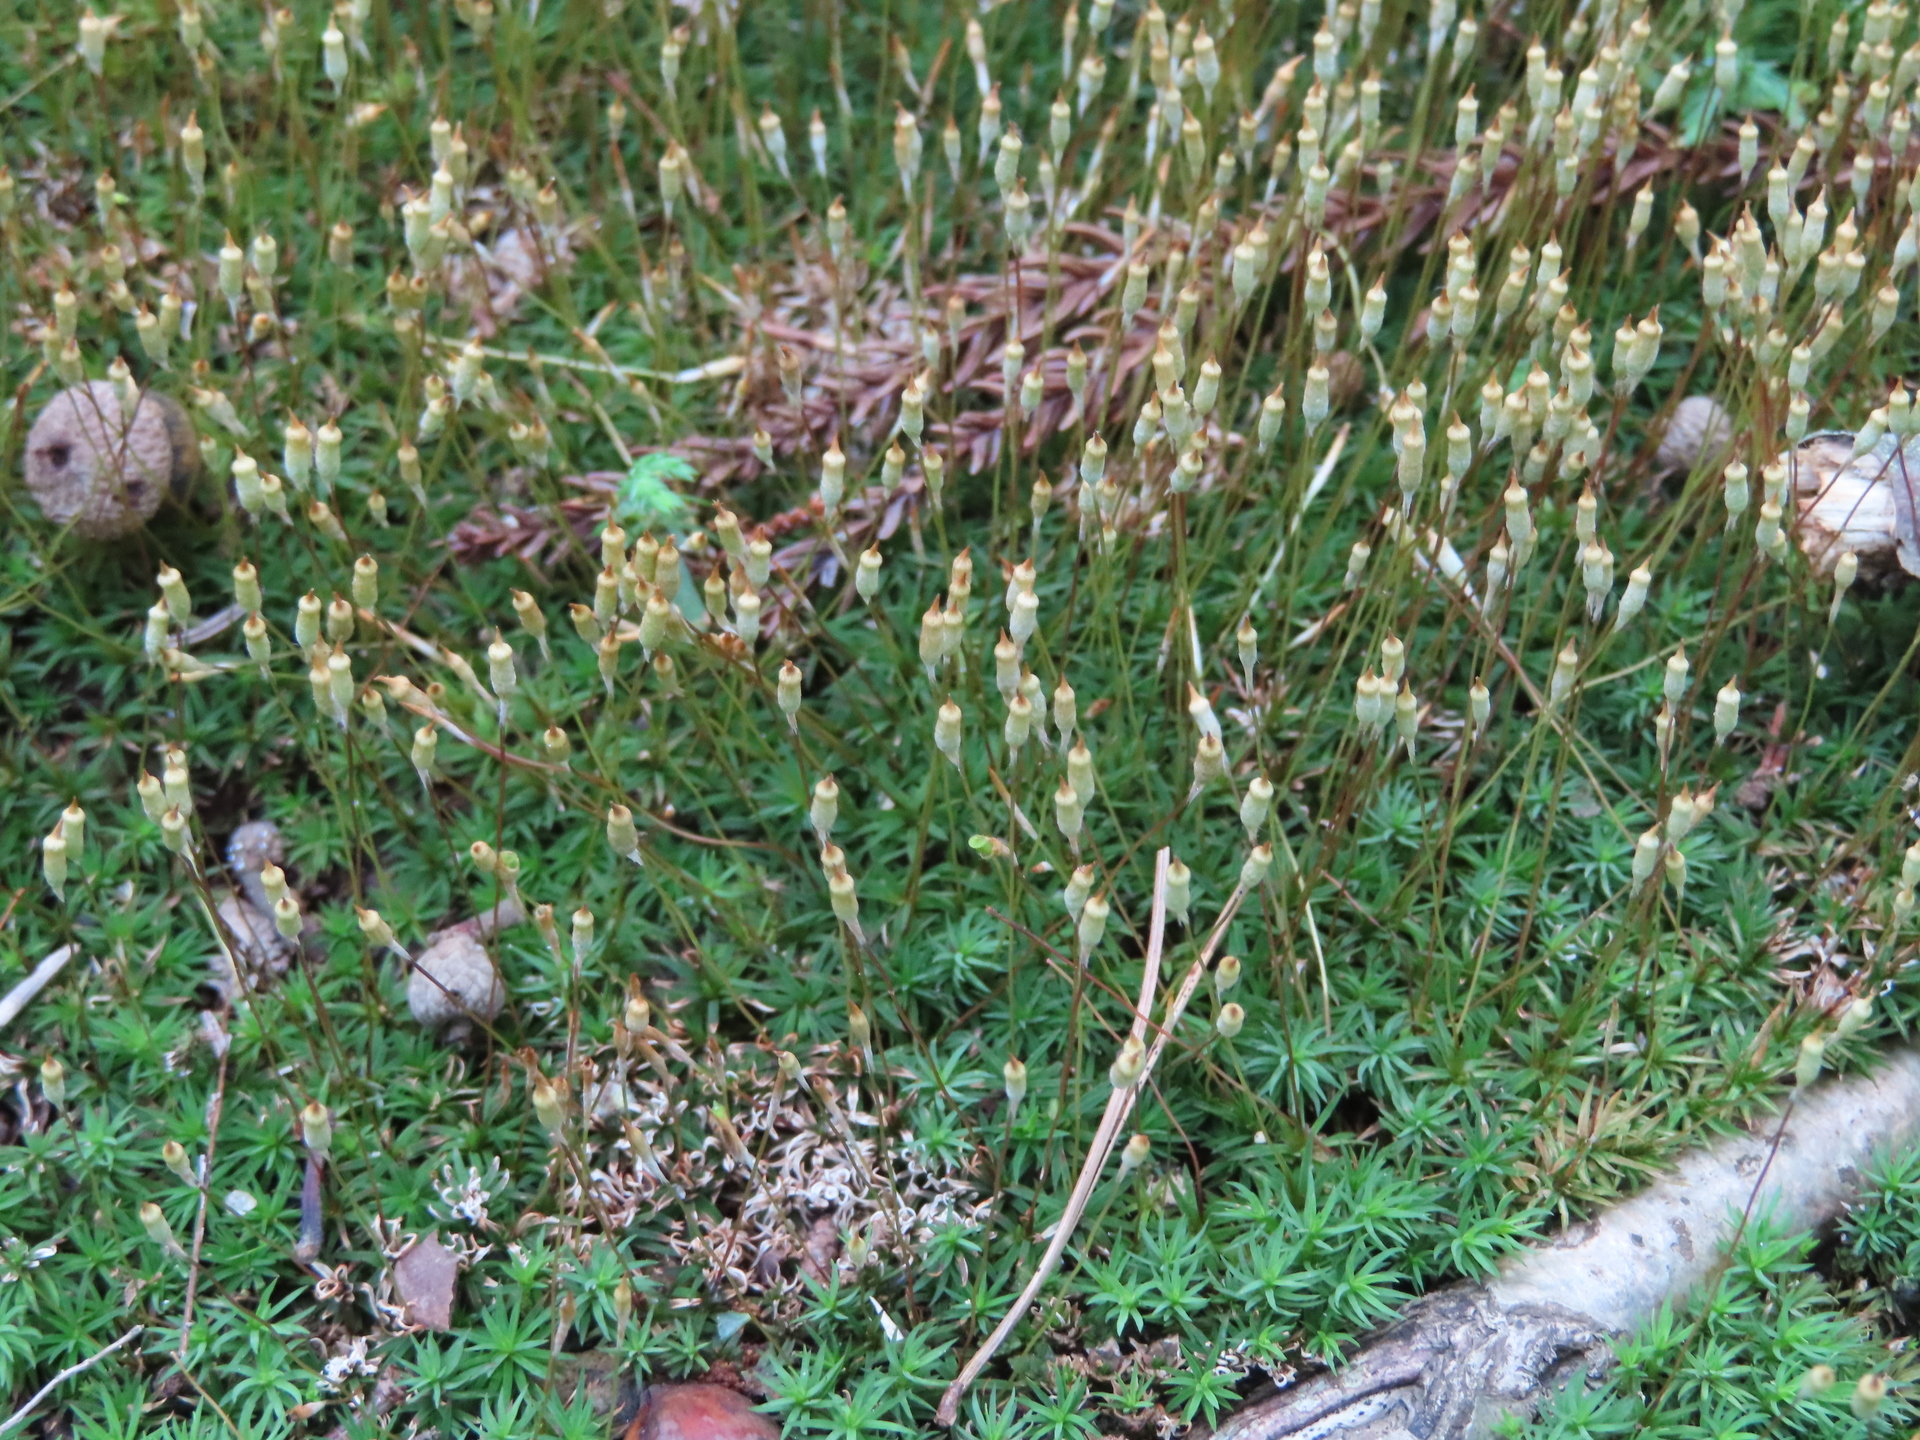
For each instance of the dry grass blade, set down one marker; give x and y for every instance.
(1119, 1103)
(1119, 1106)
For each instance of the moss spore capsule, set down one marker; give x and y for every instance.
(1013, 1079)
(1129, 1065)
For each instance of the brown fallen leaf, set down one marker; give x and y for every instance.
(425, 1275)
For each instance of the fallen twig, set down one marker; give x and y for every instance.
(21, 995)
(214, 625)
(1459, 1360)
(722, 368)
(77, 1368)
(1322, 473)
(1119, 1104)
(216, 1104)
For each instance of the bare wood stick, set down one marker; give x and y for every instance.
(1456, 1361)
(79, 1367)
(1119, 1106)
(21, 995)
(1191, 981)
(216, 1104)
(1321, 474)
(214, 625)
(720, 369)
(504, 756)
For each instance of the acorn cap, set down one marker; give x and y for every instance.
(1700, 426)
(89, 467)
(453, 983)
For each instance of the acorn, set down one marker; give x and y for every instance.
(1346, 380)
(92, 468)
(452, 984)
(1700, 427)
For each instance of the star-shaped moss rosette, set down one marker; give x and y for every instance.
(647, 498)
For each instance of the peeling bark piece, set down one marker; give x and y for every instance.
(425, 1276)
(312, 1233)
(1862, 504)
(264, 955)
(1460, 1361)
(1901, 472)
(250, 849)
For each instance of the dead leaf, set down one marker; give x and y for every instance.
(425, 1275)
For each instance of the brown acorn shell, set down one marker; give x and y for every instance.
(93, 469)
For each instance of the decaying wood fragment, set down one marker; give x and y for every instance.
(1463, 1360)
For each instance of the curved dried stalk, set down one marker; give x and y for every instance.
(1119, 1106)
